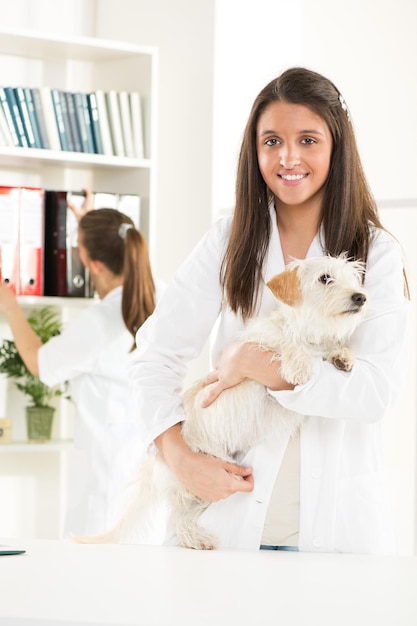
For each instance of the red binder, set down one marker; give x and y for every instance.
(31, 241)
(9, 237)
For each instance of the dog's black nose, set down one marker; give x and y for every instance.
(359, 299)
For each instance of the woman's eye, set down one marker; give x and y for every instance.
(309, 140)
(271, 142)
(325, 279)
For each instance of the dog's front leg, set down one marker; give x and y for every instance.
(342, 358)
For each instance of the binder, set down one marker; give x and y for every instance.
(63, 131)
(33, 118)
(126, 120)
(137, 124)
(8, 113)
(39, 114)
(105, 200)
(103, 122)
(15, 114)
(64, 273)
(23, 109)
(95, 126)
(84, 122)
(7, 138)
(78, 278)
(47, 106)
(9, 237)
(129, 204)
(55, 259)
(115, 123)
(31, 241)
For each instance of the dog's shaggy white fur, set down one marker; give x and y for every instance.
(320, 302)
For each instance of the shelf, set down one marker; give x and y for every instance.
(24, 157)
(55, 445)
(44, 45)
(68, 302)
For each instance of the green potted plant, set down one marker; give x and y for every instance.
(39, 414)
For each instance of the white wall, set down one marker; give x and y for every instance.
(183, 32)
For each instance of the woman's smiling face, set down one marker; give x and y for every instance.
(294, 148)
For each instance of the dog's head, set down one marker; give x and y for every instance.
(324, 291)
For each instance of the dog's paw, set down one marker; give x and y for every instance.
(198, 541)
(342, 359)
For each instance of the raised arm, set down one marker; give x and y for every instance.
(26, 340)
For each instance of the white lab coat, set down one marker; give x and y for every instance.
(92, 353)
(343, 501)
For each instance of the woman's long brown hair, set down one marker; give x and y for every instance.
(125, 256)
(349, 209)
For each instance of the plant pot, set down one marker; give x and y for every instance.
(39, 421)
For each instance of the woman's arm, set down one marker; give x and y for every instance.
(204, 476)
(26, 340)
(242, 360)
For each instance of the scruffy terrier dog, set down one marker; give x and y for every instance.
(320, 302)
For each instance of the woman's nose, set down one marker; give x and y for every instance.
(289, 159)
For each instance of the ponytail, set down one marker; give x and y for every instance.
(138, 299)
(111, 237)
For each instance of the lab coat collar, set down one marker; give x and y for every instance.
(274, 262)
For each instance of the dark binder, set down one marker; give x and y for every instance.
(64, 273)
(15, 114)
(84, 122)
(95, 126)
(25, 117)
(59, 116)
(9, 117)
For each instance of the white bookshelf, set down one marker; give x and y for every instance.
(73, 64)
(83, 64)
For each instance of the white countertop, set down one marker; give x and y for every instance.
(59, 583)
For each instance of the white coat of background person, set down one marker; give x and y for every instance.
(300, 192)
(92, 355)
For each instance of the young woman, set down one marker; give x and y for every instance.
(300, 192)
(92, 354)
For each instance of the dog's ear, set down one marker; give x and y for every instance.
(286, 287)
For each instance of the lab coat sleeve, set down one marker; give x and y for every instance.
(379, 344)
(75, 350)
(176, 333)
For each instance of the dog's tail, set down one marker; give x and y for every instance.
(133, 522)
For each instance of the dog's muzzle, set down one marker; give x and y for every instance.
(358, 301)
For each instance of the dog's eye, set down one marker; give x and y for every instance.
(325, 279)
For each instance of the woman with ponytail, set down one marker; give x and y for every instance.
(92, 355)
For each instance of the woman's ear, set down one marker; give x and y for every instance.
(95, 267)
(286, 287)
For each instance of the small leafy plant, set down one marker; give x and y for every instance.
(46, 324)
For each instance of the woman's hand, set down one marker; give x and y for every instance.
(204, 476)
(26, 340)
(8, 300)
(87, 206)
(242, 360)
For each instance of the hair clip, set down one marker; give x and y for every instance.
(344, 105)
(123, 228)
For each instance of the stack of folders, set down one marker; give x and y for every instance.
(39, 253)
(99, 122)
